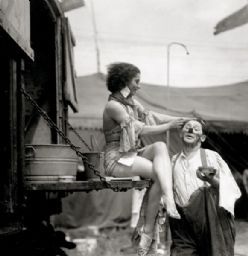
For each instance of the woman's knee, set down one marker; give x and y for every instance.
(159, 147)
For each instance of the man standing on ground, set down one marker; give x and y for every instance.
(205, 193)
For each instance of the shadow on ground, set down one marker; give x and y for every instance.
(109, 242)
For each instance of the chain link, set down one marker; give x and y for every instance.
(78, 135)
(52, 125)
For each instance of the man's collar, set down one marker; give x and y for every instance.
(183, 155)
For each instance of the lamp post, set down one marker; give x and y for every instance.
(167, 234)
(169, 46)
(95, 36)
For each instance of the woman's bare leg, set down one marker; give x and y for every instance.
(153, 201)
(157, 153)
(144, 168)
(163, 170)
(155, 164)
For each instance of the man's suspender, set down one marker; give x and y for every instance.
(203, 160)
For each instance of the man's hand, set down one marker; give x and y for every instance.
(208, 175)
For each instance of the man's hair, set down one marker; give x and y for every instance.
(119, 75)
(201, 121)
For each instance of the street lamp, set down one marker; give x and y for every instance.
(168, 79)
(168, 99)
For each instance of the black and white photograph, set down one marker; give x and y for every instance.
(125, 128)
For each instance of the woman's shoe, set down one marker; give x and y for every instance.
(144, 244)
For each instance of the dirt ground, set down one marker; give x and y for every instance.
(109, 242)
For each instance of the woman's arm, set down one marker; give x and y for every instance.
(162, 118)
(116, 112)
(160, 128)
(159, 118)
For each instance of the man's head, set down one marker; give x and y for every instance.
(192, 133)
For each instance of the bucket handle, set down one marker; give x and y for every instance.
(30, 152)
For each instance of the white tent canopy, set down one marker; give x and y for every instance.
(223, 107)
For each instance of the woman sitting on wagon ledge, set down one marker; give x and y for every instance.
(124, 120)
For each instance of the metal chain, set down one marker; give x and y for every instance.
(52, 125)
(78, 135)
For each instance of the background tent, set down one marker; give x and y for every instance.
(223, 107)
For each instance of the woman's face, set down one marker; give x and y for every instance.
(134, 84)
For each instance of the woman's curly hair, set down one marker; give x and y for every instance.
(119, 75)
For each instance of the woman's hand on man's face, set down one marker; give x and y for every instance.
(177, 123)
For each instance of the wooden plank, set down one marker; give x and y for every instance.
(18, 15)
(51, 10)
(15, 20)
(12, 176)
(70, 84)
(68, 5)
(9, 230)
(59, 76)
(20, 129)
(55, 5)
(90, 185)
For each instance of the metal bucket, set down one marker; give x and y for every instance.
(97, 160)
(49, 163)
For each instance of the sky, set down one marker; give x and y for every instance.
(139, 32)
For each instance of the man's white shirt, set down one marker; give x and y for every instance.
(186, 182)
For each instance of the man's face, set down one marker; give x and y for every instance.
(192, 133)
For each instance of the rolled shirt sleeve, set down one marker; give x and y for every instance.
(229, 191)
